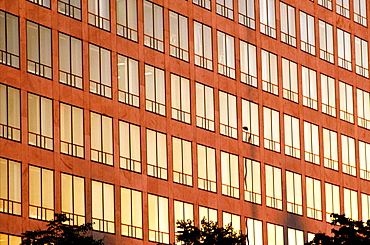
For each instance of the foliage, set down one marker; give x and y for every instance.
(349, 232)
(209, 234)
(59, 233)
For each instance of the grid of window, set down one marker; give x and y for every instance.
(182, 211)
(292, 136)
(41, 193)
(128, 81)
(274, 196)
(155, 90)
(205, 110)
(326, 4)
(344, 49)
(313, 198)
(102, 211)
(332, 200)
(10, 113)
(359, 12)
(153, 26)
(250, 123)
(287, 24)
(267, 18)
(99, 14)
(230, 174)
(180, 98)
(226, 54)
(100, 71)
(209, 214)
(269, 72)
(40, 121)
(348, 155)
(70, 61)
(225, 8)
(346, 111)
(71, 130)
(254, 231)
(39, 42)
(311, 146)
(73, 198)
(156, 154)
(129, 146)
(182, 161)
(295, 237)
(275, 234)
(294, 193)
(252, 181)
(326, 41)
(330, 143)
(362, 57)
(271, 129)
(10, 239)
(364, 157)
(44, 3)
(290, 80)
(71, 8)
(248, 63)
(127, 19)
(179, 36)
(206, 168)
(101, 139)
(328, 104)
(350, 203)
(363, 108)
(246, 13)
(131, 218)
(10, 187)
(203, 45)
(307, 33)
(232, 219)
(228, 115)
(309, 88)
(342, 7)
(158, 219)
(9, 39)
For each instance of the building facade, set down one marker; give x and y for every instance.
(132, 114)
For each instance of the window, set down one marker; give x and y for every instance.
(209, 214)
(364, 158)
(275, 234)
(9, 39)
(10, 239)
(295, 237)
(232, 219)
(309, 88)
(41, 193)
(40, 121)
(71, 130)
(348, 155)
(73, 198)
(39, 61)
(274, 197)
(156, 154)
(127, 19)
(230, 174)
(313, 198)
(311, 146)
(326, 4)
(343, 7)
(363, 108)
(44, 3)
(359, 13)
(182, 211)
(267, 18)
(350, 203)
(98, 14)
(10, 187)
(182, 161)
(101, 138)
(10, 113)
(330, 143)
(250, 122)
(252, 181)
(346, 102)
(228, 116)
(248, 63)
(179, 36)
(344, 49)
(155, 90)
(326, 41)
(226, 54)
(129, 146)
(153, 26)
(307, 33)
(254, 231)
(70, 61)
(290, 80)
(332, 200)
(246, 13)
(202, 45)
(102, 206)
(365, 200)
(269, 72)
(271, 128)
(203, 3)
(206, 168)
(287, 22)
(128, 81)
(294, 193)
(132, 213)
(328, 95)
(100, 71)
(291, 136)
(158, 219)
(225, 8)
(180, 98)
(362, 57)
(205, 106)
(71, 8)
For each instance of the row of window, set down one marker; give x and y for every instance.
(73, 189)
